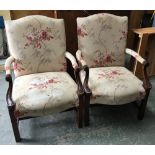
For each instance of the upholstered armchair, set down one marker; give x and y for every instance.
(102, 48)
(42, 85)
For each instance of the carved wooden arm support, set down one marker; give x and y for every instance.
(8, 78)
(76, 68)
(86, 69)
(85, 84)
(146, 82)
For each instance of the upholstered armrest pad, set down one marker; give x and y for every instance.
(72, 59)
(76, 70)
(80, 58)
(8, 63)
(135, 55)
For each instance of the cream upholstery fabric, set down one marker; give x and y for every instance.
(72, 59)
(80, 58)
(102, 39)
(37, 43)
(8, 64)
(44, 93)
(114, 85)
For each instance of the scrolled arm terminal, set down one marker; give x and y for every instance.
(136, 56)
(8, 63)
(80, 58)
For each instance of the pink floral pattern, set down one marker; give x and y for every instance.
(102, 59)
(44, 84)
(44, 93)
(124, 35)
(81, 32)
(37, 44)
(105, 44)
(112, 85)
(36, 37)
(109, 74)
(17, 65)
(64, 67)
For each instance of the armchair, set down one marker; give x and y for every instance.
(38, 49)
(102, 47)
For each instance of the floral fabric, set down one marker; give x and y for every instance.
(37, 43)
(44, 93)
(114, 85)
(102, 39)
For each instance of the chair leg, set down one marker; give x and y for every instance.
(79, 118)
(86, 110)
(80, 112)
(14, 123)
(143, 106)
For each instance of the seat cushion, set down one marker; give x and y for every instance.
(114, 85)
(44, 93)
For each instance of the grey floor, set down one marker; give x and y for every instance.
(108, 125)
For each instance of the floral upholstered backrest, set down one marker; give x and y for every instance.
(37, 43)
(102, 39)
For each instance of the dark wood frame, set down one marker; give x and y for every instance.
(11, 105)
(146, 84)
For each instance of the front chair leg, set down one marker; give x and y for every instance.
(80, 112)
(143, 106)
(14, 123)
(86, 110)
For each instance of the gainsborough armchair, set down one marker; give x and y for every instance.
(101, 53)
(42, 85)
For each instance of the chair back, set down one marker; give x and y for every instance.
(37, 43)
(102, 39)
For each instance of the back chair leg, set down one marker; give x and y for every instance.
(14, 123)
(143, 106)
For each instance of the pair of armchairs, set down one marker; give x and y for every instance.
(42, 85)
